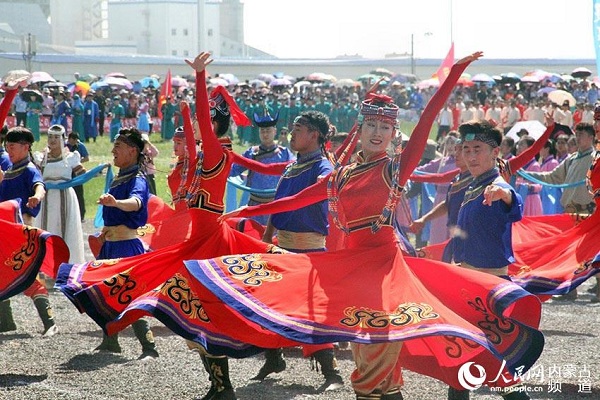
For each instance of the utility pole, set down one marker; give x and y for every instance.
(29, 49)
(413, 65)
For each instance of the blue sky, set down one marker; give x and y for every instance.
(373, 28)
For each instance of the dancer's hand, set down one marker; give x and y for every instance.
(494, 192)
(231, 214)
(107, 200)
(417, 226)
(475, 56)
(200, 62)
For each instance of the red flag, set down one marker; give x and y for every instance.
(165, 91)
(444, 69)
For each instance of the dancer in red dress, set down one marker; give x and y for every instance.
(559, 264)
(116, 293)
(398, 312)
(24, 250)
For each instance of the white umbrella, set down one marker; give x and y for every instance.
(302, 84)
(482, 78)
(231, 78)
(41, 76)
(534, 128)
(560, 96)
(347, 82)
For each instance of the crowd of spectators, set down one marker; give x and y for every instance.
(504, 101)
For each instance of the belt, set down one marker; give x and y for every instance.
(117, 233)
(300, 240)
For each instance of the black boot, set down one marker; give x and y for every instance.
(213, 387)
(42, 304)
(110, 344)
(7, 323)
(142, 331)
(393, 395)
(219, 375)
(457, 394)
(333, 379)
(274, 362)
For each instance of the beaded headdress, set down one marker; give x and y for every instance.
(221, 102)
(179, 133)
(379, 107)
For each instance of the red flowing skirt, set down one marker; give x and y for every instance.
(105, 288)
(24, 252)
(559, 263)
(553, 252)
(167, 226)
(446, 316)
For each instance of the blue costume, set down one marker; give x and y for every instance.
(297, 176)
(255, 180)
(454, 198)
(61, 111)
(4, 159)
(19, 183)
(80, 148)
(91, 114)
(486, 227)
(129, 182)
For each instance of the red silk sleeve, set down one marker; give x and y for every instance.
(257, 166)
(211, 147)
(311, 195)
(188, 129)
(7, 101)
(445, 177)
(350, 142)
(190, 143)
(418, 139)
(518, 162)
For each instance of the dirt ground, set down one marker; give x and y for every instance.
(64, 366)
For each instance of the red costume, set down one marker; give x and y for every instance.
(115, 293)
(24, 249)
(558, 264)
(368, 292)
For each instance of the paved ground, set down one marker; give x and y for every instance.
(64, 367)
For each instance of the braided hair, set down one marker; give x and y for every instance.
(133, 137)
(319, 122)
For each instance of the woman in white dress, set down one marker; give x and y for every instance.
(59, 213)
